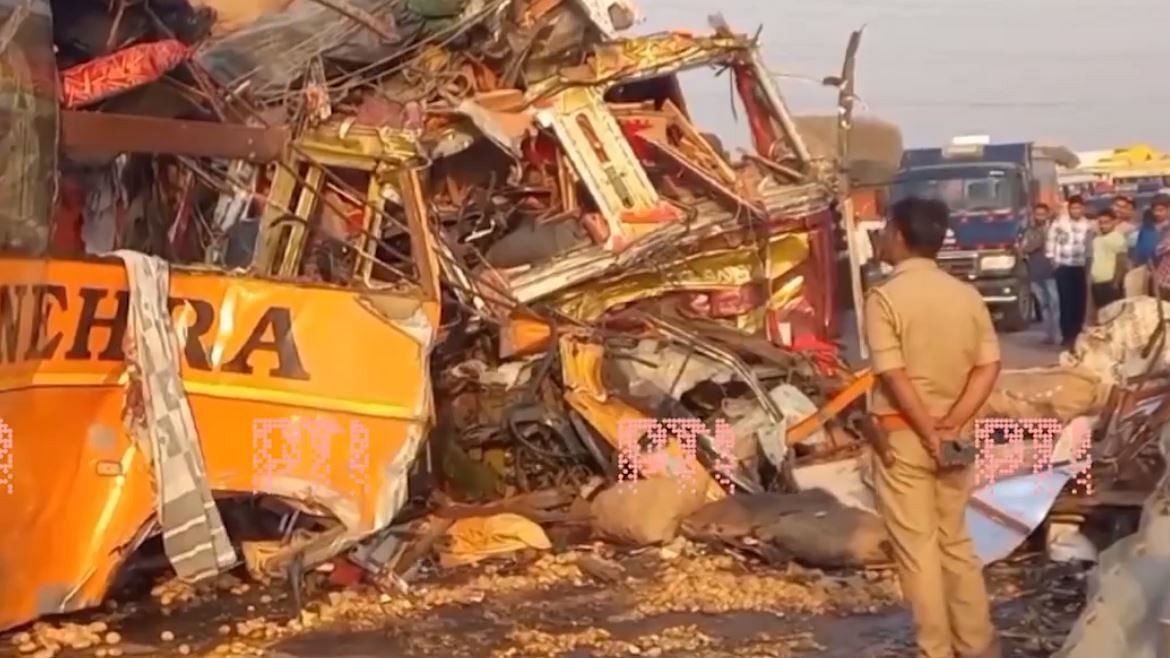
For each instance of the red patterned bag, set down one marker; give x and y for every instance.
(112, 74)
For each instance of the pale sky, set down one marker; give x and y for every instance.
(1085, 73)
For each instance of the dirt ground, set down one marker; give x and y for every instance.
(678, 601)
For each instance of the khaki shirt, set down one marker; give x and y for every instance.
(933, 325)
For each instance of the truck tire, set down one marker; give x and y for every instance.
(1018, 316)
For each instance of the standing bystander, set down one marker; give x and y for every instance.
(1068, 250)
(929, 388)
(1108, 260)
(1033, 245)
(1128, 222)
(1137, 280)
(1125, 212)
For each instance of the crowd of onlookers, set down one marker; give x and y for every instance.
(1079, 264)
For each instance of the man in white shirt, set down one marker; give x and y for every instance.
(1067, 249)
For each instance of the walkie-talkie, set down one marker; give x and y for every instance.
(956, 454)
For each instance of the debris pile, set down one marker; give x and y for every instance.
(506, 202)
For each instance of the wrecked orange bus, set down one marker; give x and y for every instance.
(109, 440)
(288, 369)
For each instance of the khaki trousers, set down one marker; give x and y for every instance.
(942, 578)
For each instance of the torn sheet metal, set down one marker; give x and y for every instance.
(641, 58)
(1003, 513)
(790, 206)
(270, 48)
(581, 365)
(194, 537)
(1006, 508)
(506, 129)
(685, 335)
(610, 16)
(232, 208)
(654, 368)
(708, 271)
(705, 180)
(774, 131)
(604, 161)
(769, 434)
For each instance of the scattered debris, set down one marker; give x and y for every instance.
(476, 538)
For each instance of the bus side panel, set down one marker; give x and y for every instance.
(317, 394)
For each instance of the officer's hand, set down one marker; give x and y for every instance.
(944, 430)
(932, 444)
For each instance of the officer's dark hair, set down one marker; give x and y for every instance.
(1105, 212)
(922, 223)
(1160, 200)
(1077, 199)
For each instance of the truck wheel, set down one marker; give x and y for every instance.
(1018, 316)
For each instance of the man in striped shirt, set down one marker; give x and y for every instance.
(1067, 249)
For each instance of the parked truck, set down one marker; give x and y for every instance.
(991, 190)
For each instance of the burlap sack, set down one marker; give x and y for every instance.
(1059, 392)
(742, 515)
(832, 537)
(811, 526)
(646, 511)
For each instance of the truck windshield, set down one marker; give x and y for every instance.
(966, 192)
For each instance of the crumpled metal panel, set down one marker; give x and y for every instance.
(1130, 590)
(606, 163)
(28, 111)
(610, 16)
(275, 49)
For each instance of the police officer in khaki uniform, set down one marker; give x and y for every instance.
(936, 355)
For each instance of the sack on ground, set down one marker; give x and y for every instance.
(646, 511)
(832, 537)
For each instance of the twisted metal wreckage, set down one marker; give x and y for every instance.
(442, 249)
(224, 220)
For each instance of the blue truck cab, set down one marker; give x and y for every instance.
(990, 190)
